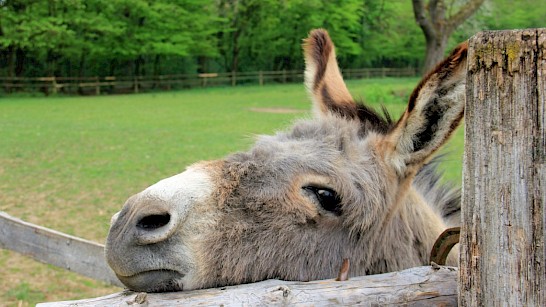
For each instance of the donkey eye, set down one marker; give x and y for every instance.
(328, 199)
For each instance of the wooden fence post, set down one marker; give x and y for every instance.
(504, 176)
(135, 84)
(97, 86)
(54, 85)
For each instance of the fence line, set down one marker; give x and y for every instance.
(123, 84)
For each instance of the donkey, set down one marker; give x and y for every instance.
(348, 183)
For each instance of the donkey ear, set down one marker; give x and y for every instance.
(323, 78)
(434, 111)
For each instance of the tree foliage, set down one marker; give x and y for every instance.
(150, 37)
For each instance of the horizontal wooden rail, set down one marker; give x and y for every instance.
(52, 247)
(421, 286)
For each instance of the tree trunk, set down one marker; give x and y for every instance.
(128, 68)
(157, 71)
(202, 64)
(437, 25)
(157, 65)
(137, 65)
(19, 62)
(435, 51)
(503, 231)
(81, 70)
(235, 59)
(112, 67)
(11, 61)
(51, 63)
(81, 66)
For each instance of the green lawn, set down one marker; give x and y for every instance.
(69, 163)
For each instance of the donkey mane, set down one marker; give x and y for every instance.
(443, 196)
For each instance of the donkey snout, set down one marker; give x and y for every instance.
(147, 243)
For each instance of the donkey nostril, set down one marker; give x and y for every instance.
(154, 228)
(154, 221)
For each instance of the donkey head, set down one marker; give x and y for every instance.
(349, 183)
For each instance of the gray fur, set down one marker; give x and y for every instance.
(272, 238)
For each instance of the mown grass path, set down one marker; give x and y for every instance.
(69, 163)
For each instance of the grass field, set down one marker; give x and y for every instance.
(69, 163)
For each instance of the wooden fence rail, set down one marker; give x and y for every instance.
(52, 247)
(420, 286)
(117, 84)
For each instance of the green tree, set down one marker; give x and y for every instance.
(340, 18)
(389, 36)
(268, 34)
(29, 28)
(155, 29)
(145, 37)
(130, 31)
(94, 30)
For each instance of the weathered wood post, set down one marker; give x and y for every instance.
(54, 88)
(135, 84)
(504, 178)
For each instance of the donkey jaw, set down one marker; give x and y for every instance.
(147, 246)
(154, 281)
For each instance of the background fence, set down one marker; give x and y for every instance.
(119, 85)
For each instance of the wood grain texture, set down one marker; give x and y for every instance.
(56, 248)
(421, 286)
(504, 177)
